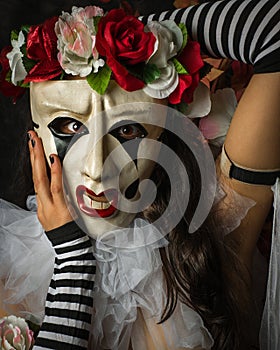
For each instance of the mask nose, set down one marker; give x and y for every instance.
(95, 161)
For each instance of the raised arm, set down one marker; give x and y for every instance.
(253, 142)
(69, 303)
(68, 308)
(248, 31)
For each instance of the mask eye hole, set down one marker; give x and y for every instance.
(128, 131)
(131, 131)
(64, 126)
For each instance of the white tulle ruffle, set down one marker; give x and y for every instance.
(130, 296)
(129, 287)
(270, 327)
(229, 208)
(26, 261)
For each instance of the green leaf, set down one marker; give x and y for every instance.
(95, 22)
(24, 85)
(150, 73)
(99, 81)
(62, 76)
(25, 29)
(182, 107)
(183, 28)
(9, 79)
(28, 63)
(9, 76)
(180, 69)
(14, 35)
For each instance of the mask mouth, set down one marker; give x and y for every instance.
(95, 205)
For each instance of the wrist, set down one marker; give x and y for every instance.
(65, 234)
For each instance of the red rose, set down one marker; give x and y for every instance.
(191, 59)
(7, 88)
(122, 40)
(42, 48)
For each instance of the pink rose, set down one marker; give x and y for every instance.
(15, 334)
(76, 40)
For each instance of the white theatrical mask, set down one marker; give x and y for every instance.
(108, 145)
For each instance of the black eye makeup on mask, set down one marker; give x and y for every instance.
(128, 130)
(63, 130)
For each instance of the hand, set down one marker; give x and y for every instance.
(52, 209)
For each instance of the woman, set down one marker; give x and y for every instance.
(201, 253)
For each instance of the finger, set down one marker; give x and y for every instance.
(64, 213)
(31, 153)
(56, 186)
(39, 170)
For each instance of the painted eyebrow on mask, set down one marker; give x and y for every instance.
(64, 107)
(126, 112)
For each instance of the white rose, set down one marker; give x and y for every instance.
(15, 60)
(165, 84)
(15, 334)
(169, 42)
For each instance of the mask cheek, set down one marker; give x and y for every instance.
(148, 157)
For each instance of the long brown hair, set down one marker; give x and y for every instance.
(199, 268)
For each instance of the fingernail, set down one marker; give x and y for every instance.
(29, 135)
(51, 159)
(33, 143)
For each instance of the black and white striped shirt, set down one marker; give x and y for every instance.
(246, 30)
(243, 30)
(68, 307)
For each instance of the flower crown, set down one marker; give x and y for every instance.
(158, 58)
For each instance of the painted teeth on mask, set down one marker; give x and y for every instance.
(91, 203)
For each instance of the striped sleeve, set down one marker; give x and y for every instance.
(243, 30)
(69, 303)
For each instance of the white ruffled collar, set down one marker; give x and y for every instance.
(129, 276)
